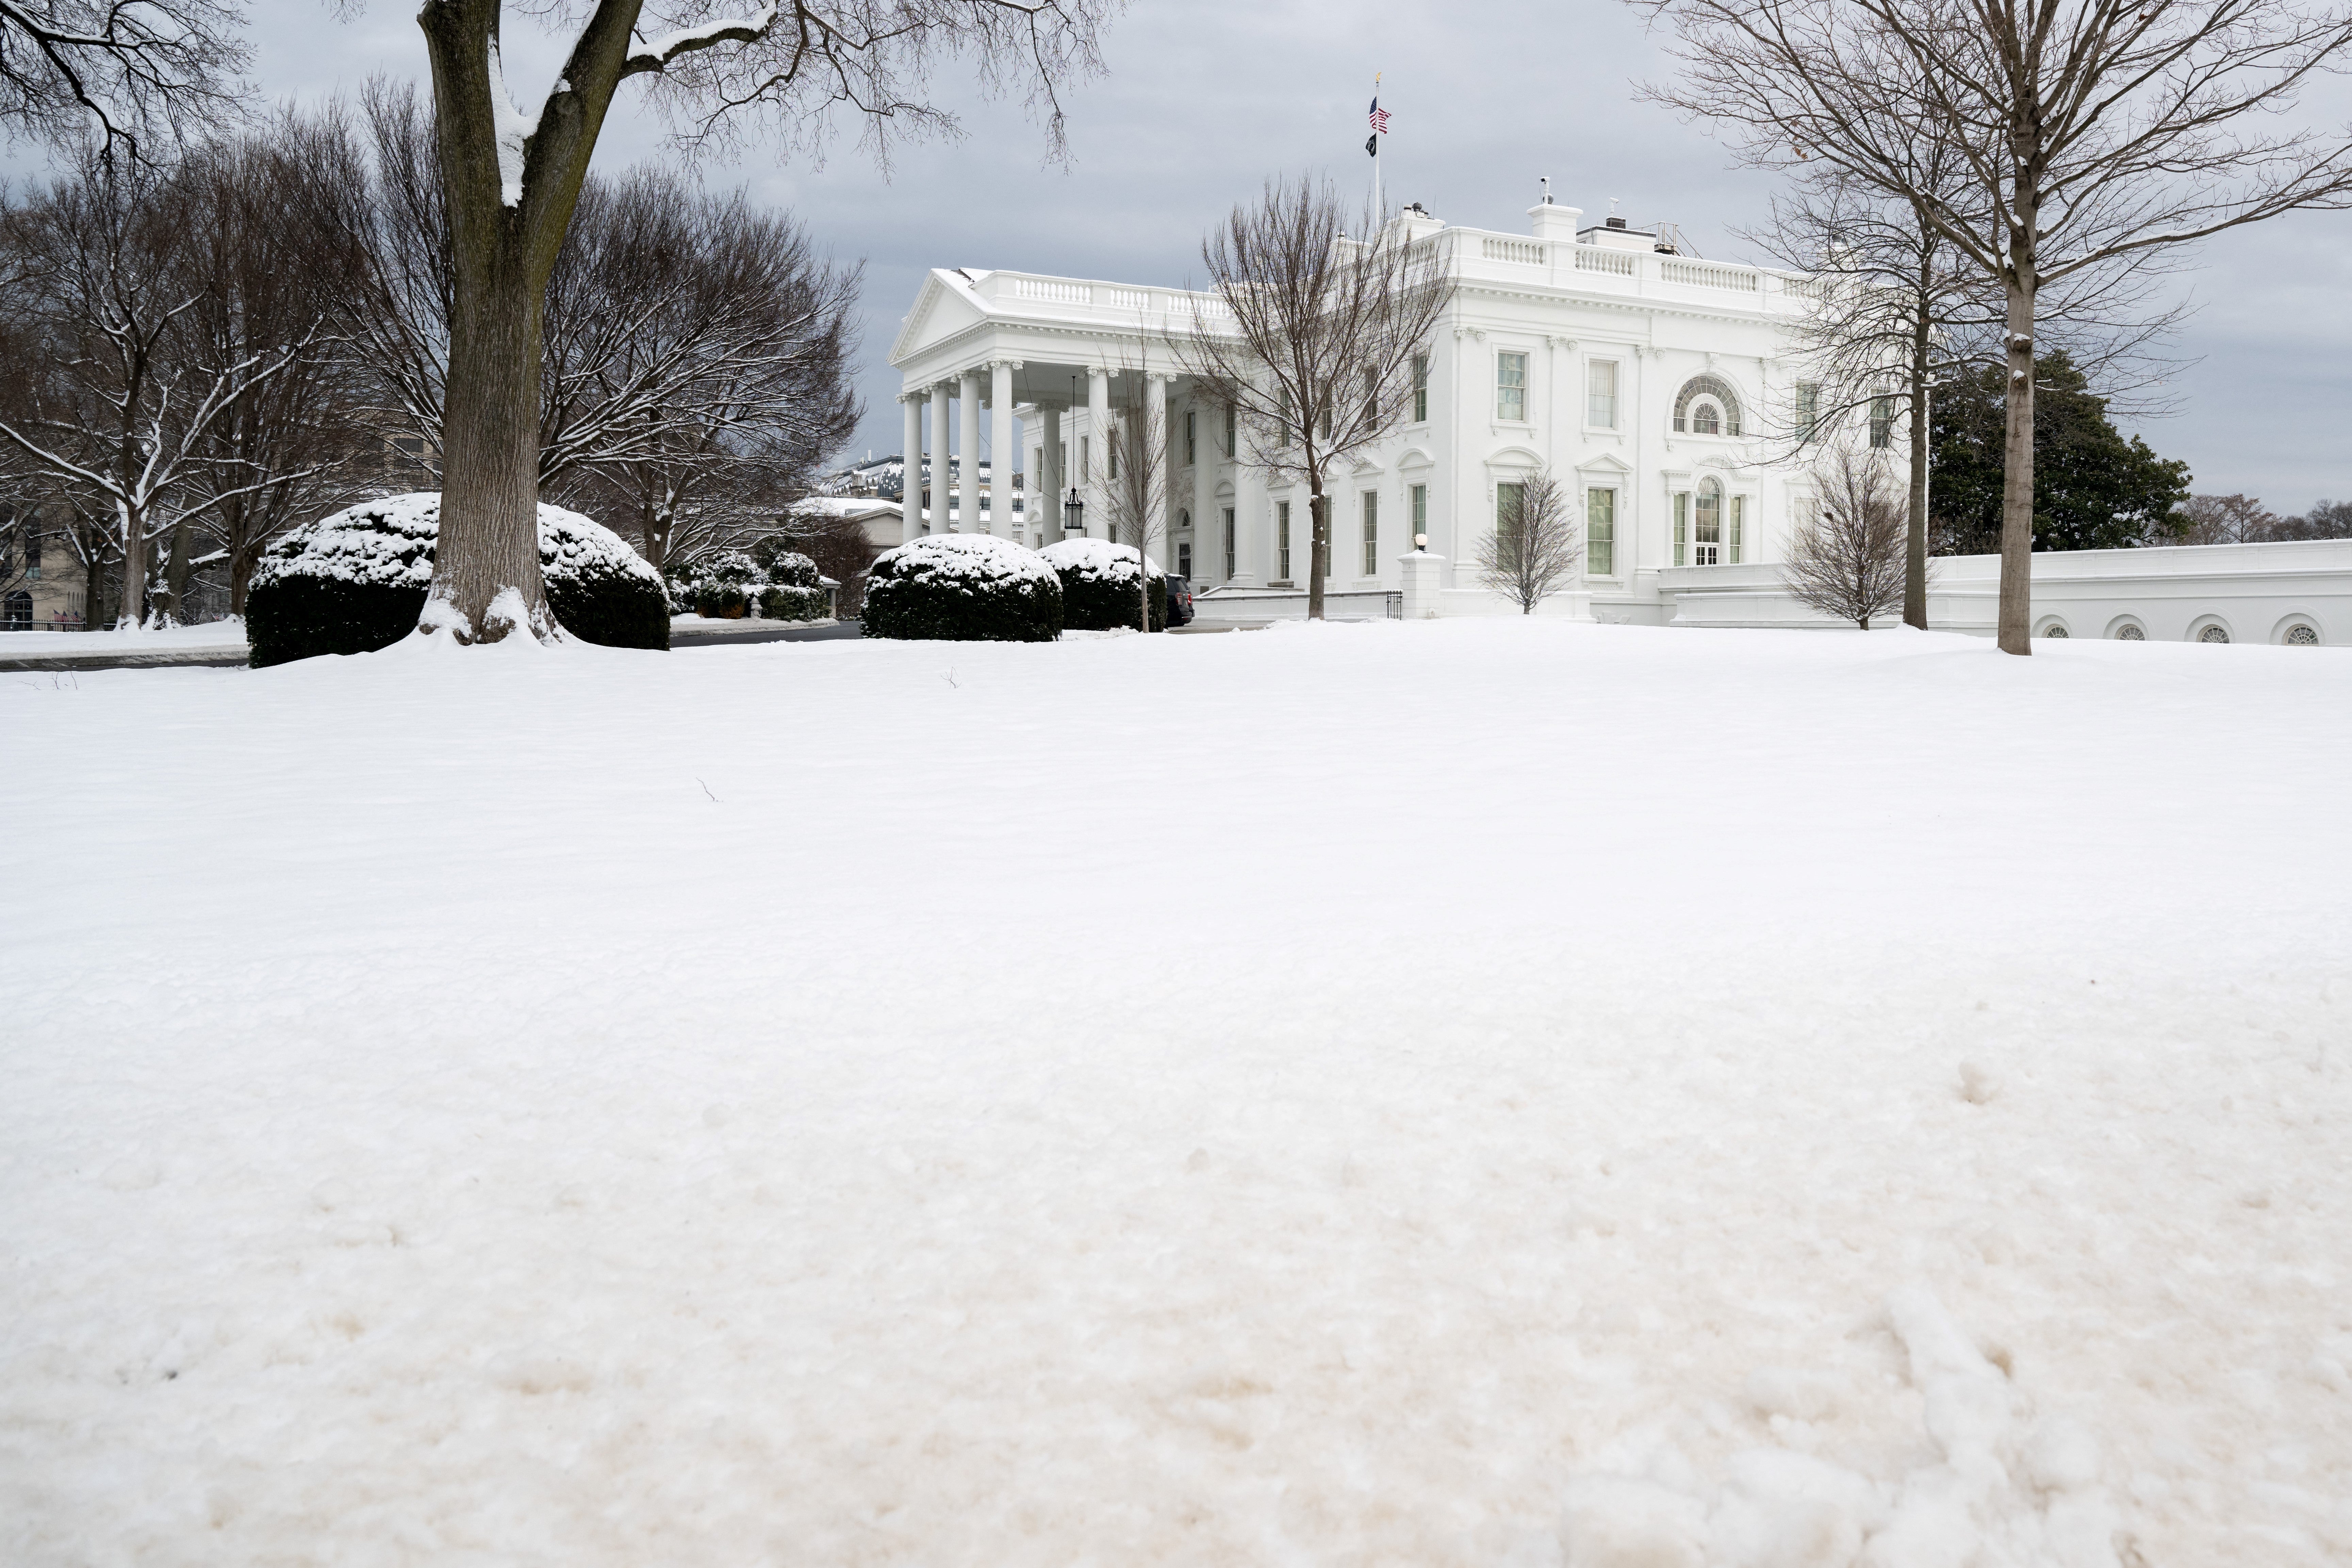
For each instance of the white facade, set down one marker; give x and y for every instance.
(1640, 377)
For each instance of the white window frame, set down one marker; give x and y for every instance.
(1591, 541)
(1525, 358)
(1367, 507)
(1616, 369)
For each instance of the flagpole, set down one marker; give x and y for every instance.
(1380, 204)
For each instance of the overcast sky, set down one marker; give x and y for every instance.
(1201, 102)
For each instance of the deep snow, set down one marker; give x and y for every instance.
(1497, 1093)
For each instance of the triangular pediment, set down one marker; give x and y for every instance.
(945, 307)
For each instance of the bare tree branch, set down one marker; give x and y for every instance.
(1316, 344)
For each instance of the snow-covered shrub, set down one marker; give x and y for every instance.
(355, 582)
(783, 566)
(724, 586)
(1100, 591)
(791, 602)
(963, 587)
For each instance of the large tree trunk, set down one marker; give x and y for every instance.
(175, 575)
(507, 221)
(131, 605)
(1318, 548)
(489, 497)
(1915, 544)
(2024, 215)
(2016, 624)
(93, 585)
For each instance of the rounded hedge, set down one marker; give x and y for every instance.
(963, 587)
(1099, 592)
(785, 567)
(355, 582)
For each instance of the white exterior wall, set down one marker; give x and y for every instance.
(2254, 593)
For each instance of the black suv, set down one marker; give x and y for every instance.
(1180, 601)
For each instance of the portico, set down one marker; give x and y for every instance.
(1052, 360)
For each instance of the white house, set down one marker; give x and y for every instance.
(1645, 380)
(1640, 376)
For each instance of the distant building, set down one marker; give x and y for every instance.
(41, 583)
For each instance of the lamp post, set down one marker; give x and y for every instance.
(1074, 515)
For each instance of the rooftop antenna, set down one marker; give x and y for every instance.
(1545, 180)
(1613, 206)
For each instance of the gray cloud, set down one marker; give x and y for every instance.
(1202, 103)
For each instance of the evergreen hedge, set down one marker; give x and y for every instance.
(355, 582)
(1098, 584)
(963, 587)
(795, 603)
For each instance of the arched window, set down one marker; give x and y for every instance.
(1721, 407)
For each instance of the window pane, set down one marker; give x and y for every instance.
(1682, 528)
(1601, 402)
(1508, 499)
(1282, 541)
(1420, 509)
(1600, 532)
(1738, 527)
(1882, 421)
(1229, 541)
(1371, 533)
(1510, 386)
(1420, 388)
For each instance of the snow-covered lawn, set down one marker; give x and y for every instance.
(1455, 1093)
(210, 637)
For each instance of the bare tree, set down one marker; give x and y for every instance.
(2088, 131)
(132, 397)
(1893, 310)
(2226, 520)
(69, 68)
(694, 351)
(1316, 346)
(1135, 493)
(511, 178)
(1535, 547)
(263, 271)
(1846, 558)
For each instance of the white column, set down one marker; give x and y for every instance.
(1158, 391)
(1208, 517)
(942, 412)
(1097, 433)
(910, 505)
(1004, 451)
(1253, 527)
(940, 395)
(1050, 482)
(968, 453)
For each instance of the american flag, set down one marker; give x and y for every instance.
(1380, 118)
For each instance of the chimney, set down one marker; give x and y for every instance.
(1554, 222)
